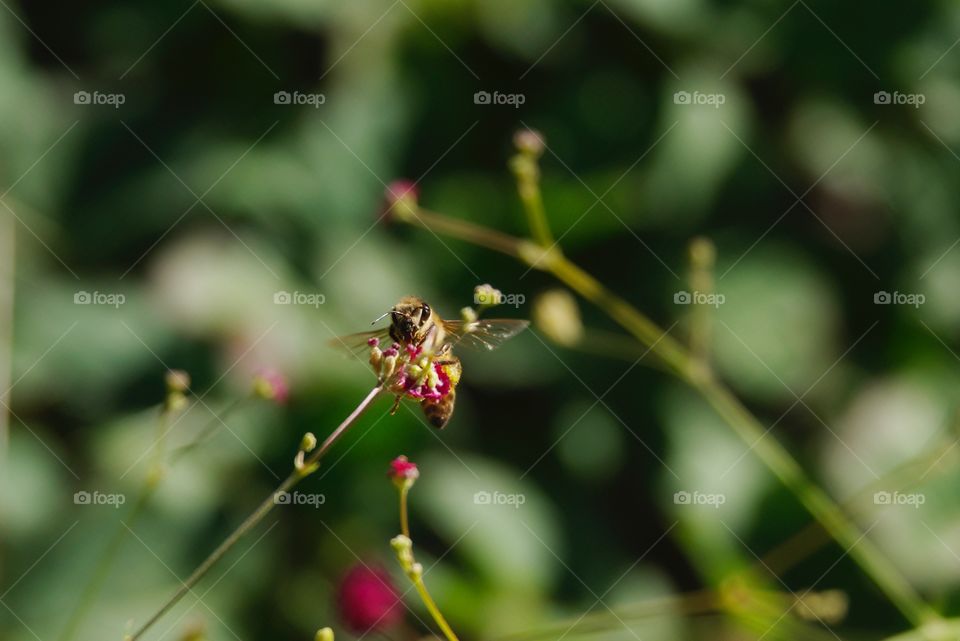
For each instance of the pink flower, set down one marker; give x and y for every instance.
(270, 384)
(402, 470)
(368, 601)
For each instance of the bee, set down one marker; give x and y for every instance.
(414, 324)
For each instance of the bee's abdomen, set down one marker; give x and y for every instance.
(438, 412)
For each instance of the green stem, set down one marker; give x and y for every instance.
(678, 359)
(813, 536)
(259, 513)
(825, 510)
(433, 609)
(527, 173)
(7, 273)
(404, 521)
(151, 483)
(687, 604)
(208, 430)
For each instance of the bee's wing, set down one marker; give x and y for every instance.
(357, 343)
(484, 334)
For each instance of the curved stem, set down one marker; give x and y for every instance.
(680, 362)
(433, 609)
(150, 484)
(258, 514)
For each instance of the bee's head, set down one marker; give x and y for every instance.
(408, 319)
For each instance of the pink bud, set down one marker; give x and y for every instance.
(402, 470)
(270, 384)
(401, 198)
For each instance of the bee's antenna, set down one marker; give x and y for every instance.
(381, 317)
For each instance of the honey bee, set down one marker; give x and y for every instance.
(415, 324)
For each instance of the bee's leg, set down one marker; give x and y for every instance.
(396, 404)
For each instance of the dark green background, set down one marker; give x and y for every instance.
(816, 197)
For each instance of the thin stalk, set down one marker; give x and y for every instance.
(813, 536)
(702, 602)
(702, 255)
(208, 430)
(259, 513)
(147, 490)
(403, 547)
(744, 424)
(7, 275)
(527, 173)
(433, 609)
(404, 521)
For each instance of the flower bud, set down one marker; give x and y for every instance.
(389, 365)
(556, 315)
(529, 142)
(703, 253)
(271, 385)
(178, 383)
(403, 473)
(324, 634)
(177, 380)
(486, 295)
(401, 200)
(308, 442)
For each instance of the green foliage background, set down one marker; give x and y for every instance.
(199, 198)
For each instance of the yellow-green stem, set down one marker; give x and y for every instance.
(7, 280)
(404, 522)
(433, 609)
(678, 359)
(528, 186)
(151, 482)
